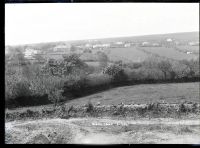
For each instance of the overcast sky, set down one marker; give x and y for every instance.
(32, 23)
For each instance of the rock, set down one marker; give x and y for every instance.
(98, 103)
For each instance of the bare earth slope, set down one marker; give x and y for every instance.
(104, 131)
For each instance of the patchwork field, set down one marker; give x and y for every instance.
(127, 54)
(170, 53)
(138, 54)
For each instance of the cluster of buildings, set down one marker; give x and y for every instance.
(29, 53)
(60, 49)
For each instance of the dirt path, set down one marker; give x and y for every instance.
(103, 131)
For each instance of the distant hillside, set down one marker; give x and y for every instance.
(184, 36)
(124, 48)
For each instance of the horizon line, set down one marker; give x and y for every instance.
(98, 38)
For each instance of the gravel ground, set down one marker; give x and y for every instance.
(103, 131)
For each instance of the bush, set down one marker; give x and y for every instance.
(98, 80)
(74, 86)
(117, 73)
(21, 88)
(90, 107)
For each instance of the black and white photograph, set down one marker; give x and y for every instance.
(102, 73)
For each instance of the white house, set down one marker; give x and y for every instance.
(156, 44)
(29, 53)
(62, 48)
(189, 52)
(127, 45)
(169, 40)
(119, 43)
(145, 43)
(97, 46)
(106, 45)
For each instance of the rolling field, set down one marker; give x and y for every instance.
(147, 93)
(168, 53)
(138, 54)
(136, 94)
(126, 54)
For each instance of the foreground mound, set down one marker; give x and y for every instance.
(39, 132)
(103, 131)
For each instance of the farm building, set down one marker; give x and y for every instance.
(119, 43)
(127, 45)
(145, 44)
(65, 48)
(169, 40)
(189, 52)
(97, 46)
(106, 45)
(156, 44)
(29, 53)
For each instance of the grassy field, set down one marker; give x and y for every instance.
(171, 93)
(130, 54)
(136, 94)
(138, 54)
(169, 53)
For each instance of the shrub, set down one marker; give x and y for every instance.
(74, 86)
(90, 107)
(22, 88)
(98, 80)
(117, 73)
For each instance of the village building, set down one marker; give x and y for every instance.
(156, 44)
(97, 46)
(169, 40)
(145, 43)
(29, 53)
(106, 45)
(189, 52)
(127, 45)
(63, 48)
(119, 43)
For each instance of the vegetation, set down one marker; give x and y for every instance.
(150, 110)
(55, 81)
